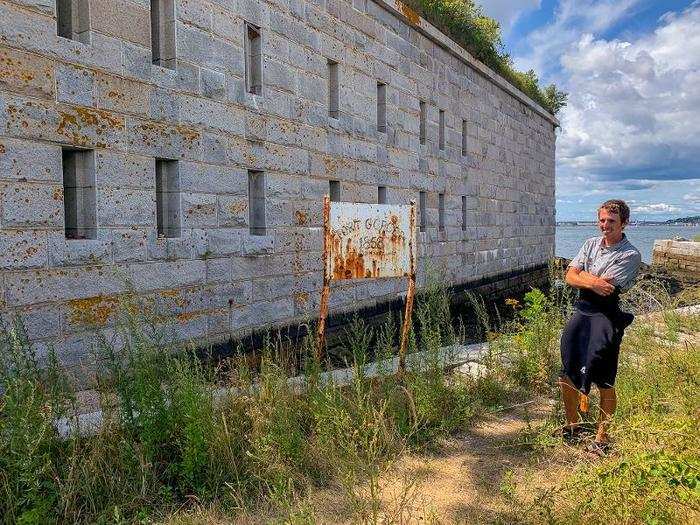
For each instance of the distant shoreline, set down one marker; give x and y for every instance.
(631, 225)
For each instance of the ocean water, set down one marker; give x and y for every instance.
(570, 238)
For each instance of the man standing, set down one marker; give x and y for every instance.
(590, 343)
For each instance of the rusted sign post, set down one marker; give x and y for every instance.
(368, 241)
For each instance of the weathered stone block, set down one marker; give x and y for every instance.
(121, 94)
(74, 85)
(30, 205)
(24, 160)
(20, 249)
(129, 244)
(39, 321)
(120, 170)
(163, 140)
(76, 252)
(232, 211)
(174, 274)
(125, 207)
(121, 19)
(199, 210)
(26, 74)
(213, 84)
(226, 241)
(256, 245)
(38, 286)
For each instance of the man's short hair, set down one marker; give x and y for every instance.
(617, 207)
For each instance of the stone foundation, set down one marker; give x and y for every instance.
(681, 258)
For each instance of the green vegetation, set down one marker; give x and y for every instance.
(173, 442)
(464, 21)
(167, 441)
(654, 474)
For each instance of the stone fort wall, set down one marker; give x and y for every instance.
(681, 258)
(488, 149)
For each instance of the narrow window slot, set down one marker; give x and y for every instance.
(381, 107)
(441, 130)
(423, 120)
(381, 195)
(163, 45)
(441, 211)
(334, 190)
(464, 138)
(79, 195)
(464, 213)
(167, 198)
(333, 89)
(256, 202)
(253, 56)
(423, 211)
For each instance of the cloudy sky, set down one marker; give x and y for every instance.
(631, 129)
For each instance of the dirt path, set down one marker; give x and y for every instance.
(474, 478)
(484, 475)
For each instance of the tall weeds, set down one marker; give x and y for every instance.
(171, 435)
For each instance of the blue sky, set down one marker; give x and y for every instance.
(632, 70)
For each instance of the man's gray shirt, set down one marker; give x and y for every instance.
(620, 261)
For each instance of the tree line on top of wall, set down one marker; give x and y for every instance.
(465, 22)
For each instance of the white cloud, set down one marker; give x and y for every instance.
(632, 125)
(507, 12)
(661, 207)
(634, 107)
(572, 17)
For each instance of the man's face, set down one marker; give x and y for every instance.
(610, 224)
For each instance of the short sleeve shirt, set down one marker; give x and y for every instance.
(620, 261)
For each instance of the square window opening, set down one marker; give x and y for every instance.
(381, 195)
(73, 20)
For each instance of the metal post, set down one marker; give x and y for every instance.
(408, 311)
(325, 292)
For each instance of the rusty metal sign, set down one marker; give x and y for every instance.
(369, 241)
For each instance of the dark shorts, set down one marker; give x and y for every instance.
(590, 348)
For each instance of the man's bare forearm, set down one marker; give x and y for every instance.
(582, 280)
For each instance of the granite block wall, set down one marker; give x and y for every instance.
(681, 258)
(216, 280)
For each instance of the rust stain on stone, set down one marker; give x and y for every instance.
(92, 311)
(57, 194)
(412, 17)
(237, 207)
(72, 123)
(301, 298)
(301, 217)
(188, 316)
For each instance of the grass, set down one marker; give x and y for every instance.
(172, 448)
(167, 442)
(653, 476)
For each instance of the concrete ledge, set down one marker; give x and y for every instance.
(450, 357)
